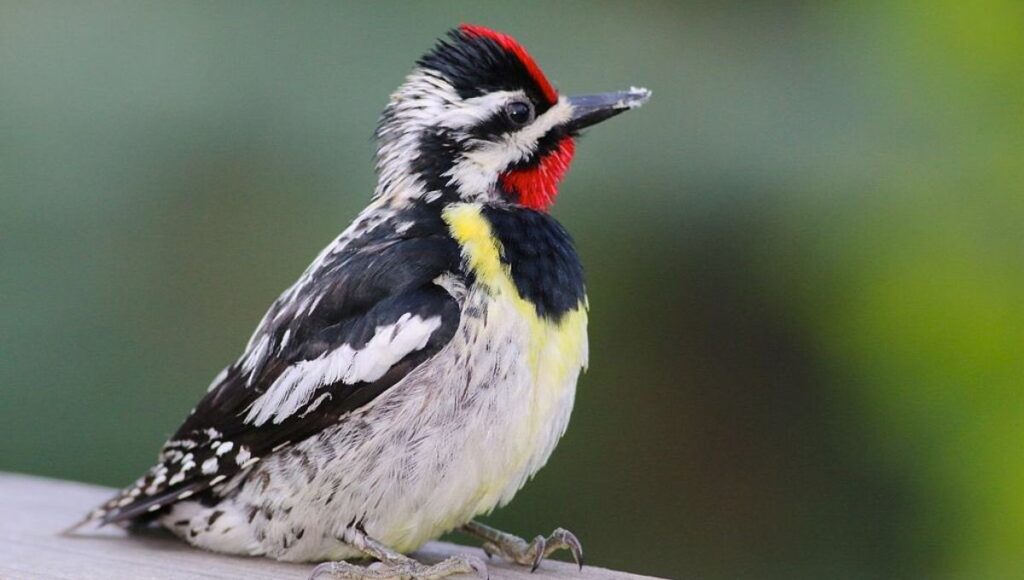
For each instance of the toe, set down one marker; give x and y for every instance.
(332, 570)
(479, 568)
(572, 543)
(322, 570)
(490, 550)
(539, 549)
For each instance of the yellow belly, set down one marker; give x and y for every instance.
(556, 351)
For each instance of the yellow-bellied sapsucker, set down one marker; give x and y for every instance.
(425, 365)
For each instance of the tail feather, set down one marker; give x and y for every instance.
(138, 500)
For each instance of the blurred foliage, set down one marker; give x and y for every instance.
(805, 256)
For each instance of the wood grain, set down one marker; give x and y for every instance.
(33, 510)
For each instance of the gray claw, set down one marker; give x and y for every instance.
(405, 569)
(573, 543)
(322, 568)
(539, 545)
(480, 567)
(519, 551)
(327, 569)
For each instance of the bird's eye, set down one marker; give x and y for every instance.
(519, 112)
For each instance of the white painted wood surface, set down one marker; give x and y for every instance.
(33, 511)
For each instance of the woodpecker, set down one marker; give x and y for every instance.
(424, 366)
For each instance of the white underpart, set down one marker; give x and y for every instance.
(455, 438)
(298, 383)
(479, 169)
(229, 529)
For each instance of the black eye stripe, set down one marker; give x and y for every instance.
(438, 152)
(499, 124)
(494, 126)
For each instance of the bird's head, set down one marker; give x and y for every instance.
(477, 120)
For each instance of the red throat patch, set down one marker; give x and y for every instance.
(510, 44)
(537, 186)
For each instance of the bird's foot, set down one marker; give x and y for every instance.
(518, 550)
(401, 569)
(393, 565)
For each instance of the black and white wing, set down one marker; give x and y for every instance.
(363, 316)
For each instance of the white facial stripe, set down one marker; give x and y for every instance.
(298, 383)
(427, 101)
(475, 110)
(479, 169)
(560, 113)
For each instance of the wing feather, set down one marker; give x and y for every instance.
(357, 322)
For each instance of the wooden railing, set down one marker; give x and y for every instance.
(33, 510)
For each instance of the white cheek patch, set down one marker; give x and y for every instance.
(479, 169)
(296, 386)
(426, 102)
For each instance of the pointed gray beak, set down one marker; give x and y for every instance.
(588, 110)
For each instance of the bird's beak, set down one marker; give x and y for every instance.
(589, 110)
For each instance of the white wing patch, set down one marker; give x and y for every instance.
(298, 383)
(257, 354)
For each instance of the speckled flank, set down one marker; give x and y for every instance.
(452, 440)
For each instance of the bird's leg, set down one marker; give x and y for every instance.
(392, 565)
(516, 549)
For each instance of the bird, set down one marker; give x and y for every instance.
(423, 368)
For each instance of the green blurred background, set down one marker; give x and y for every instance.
(805, 256)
